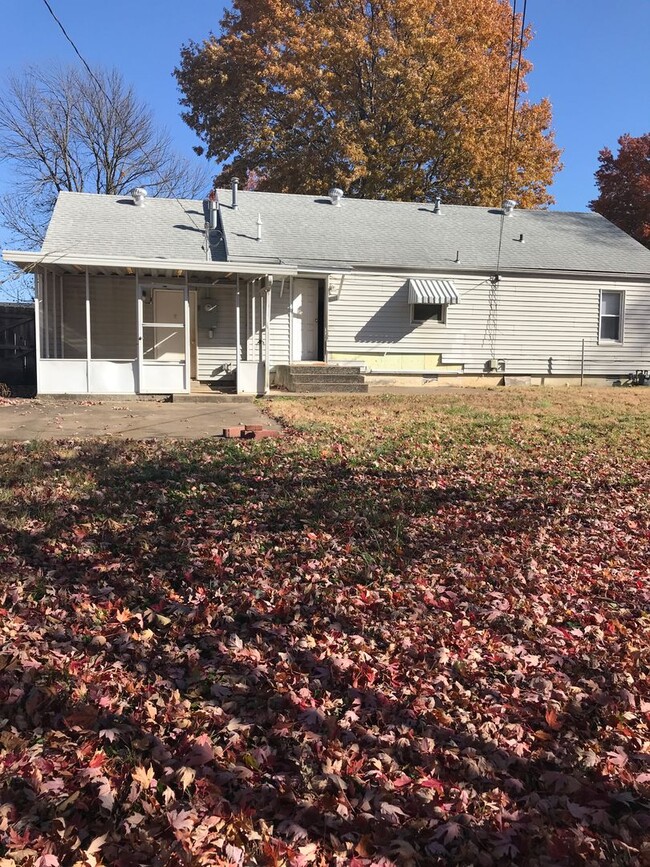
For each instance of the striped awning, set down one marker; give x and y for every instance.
(432, 292)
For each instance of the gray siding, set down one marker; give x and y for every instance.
(535, 324)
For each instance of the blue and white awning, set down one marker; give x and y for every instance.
(432, 292)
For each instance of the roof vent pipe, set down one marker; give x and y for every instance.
(259, 227)
(234, 186)
(508, 207)
(335, 195)
(212, 209)
(139, 195)
(436, 206)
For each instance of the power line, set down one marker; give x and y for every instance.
(511, 121)
(113, 105)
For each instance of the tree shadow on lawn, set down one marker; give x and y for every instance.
(290, 652)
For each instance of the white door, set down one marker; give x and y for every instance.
(305, 320)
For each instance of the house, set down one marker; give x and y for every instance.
(149, 295)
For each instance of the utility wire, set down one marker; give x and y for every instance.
(113, 105)
(511, 121)
(506, 135)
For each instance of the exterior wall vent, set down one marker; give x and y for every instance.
(139, 195)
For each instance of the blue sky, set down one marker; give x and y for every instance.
(591, 59)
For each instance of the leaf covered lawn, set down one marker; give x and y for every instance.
(412, 632)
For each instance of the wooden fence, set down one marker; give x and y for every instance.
(18, 348)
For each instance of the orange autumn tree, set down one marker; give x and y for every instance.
(391, 99)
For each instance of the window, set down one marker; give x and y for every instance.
(611, 316)
(427, 313)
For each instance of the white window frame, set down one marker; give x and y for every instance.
(621, 317)
(430, 321)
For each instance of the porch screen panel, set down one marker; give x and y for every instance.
(73, 334)
(50, 317)
(63, 314)
(113, 319)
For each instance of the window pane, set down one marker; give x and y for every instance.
(609, 327)
(423, 312)
(611, 304)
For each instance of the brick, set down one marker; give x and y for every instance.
(231, 433)
(253, 427)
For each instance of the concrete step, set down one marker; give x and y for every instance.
(296, 376)
(326, 387)
(319, 367)
(206, 397)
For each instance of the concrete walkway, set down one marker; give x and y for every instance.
(128, 419)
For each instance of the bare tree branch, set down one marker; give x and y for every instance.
(59, 130)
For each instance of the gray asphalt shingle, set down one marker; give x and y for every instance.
(308, 231)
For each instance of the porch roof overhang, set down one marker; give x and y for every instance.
(29, 261)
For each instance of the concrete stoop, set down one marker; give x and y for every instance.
(320, 378)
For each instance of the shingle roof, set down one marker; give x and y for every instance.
(310, 232)
(93, 225)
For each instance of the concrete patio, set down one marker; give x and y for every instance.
(127, 419)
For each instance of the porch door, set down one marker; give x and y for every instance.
(168, 307)
(164, 341)
(305, 320)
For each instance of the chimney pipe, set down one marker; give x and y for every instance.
(259, 227)
(212, 209)
(234, 186)
(437, 204)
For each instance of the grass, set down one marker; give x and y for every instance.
(412, 631)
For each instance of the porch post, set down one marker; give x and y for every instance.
(46, 313)
(267, 332)
(88, 347)
(37, 321)
(186, 334)
(237, 332)
(61, 319)
(140, 316)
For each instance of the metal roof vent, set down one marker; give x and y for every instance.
(508, 207)
(436, 205)
(335, 195)
(139, 195)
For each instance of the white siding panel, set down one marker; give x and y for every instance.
(216, 354)
(280, 322)
(536, 325)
